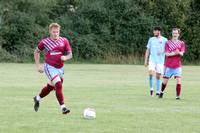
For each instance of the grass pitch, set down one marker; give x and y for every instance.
(119, 93)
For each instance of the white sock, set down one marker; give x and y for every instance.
(62, 106)
(38, 98)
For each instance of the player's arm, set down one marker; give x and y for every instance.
(182, 51)
(168, 52)
(146, 57)
(68, 51)
(177, 52)
(37, 60)
(147, 53)
(66, 57)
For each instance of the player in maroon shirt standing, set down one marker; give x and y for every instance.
(57, 50)
(174, 50)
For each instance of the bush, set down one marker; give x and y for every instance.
(99, 30)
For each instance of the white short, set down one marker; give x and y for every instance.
(158, 68)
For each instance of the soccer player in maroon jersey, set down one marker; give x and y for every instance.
(57, 50)
(174, 50)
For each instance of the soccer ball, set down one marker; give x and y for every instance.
(89, 113)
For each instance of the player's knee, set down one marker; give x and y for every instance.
(58, 85)
(178, 80)
(151, 72)
(165, 80)
(55, 80)
(158, 75)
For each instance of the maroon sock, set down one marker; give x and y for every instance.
(46, 90)
(59, 93)
(178, 90)
(163, 87)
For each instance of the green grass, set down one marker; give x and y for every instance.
(119, 93)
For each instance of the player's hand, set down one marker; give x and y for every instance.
(177, 52)
(40, 68)
(63, 58)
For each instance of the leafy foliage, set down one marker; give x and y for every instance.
(97, 29)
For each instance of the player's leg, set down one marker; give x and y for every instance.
(159, 72)
(163, 86)
(178, 88)
(58, 81)
(50, 73)
(150, 78)
(158, 76)
(177, 75)
(166, 76)
(45, 90)
(58, 89)
(59, 94)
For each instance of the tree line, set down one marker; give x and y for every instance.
(111, 31)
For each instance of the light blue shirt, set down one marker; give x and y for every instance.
(157, 49)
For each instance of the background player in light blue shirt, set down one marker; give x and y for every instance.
(154, 57)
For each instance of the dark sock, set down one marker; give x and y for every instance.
(163, 87)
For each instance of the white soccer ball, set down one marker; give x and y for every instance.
(89, 113)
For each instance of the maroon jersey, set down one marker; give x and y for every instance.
(171, 46)
(54, 49)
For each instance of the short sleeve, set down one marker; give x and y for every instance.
(41, 45)
(149, 44)
(67, 46)
(182, 47)
(166, 48)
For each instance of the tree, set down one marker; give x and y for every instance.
(193, 32)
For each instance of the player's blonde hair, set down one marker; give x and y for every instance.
(56, 25)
